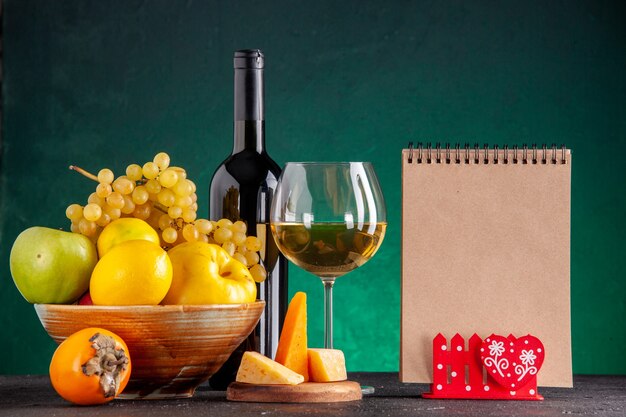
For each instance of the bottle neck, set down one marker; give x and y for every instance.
(249, 111)
(249, 135)
(249, 94)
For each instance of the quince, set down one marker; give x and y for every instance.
(205, 273)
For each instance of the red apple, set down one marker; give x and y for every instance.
(85, 300)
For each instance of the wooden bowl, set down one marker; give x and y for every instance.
(173, 348)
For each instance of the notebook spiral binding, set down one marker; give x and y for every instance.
(475, 155)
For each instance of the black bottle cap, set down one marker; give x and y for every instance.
(249, 59)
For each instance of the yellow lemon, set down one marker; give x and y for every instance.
(135, 272)
(125, 229)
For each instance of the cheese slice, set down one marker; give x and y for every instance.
(327, 365)
(258, 369)
(292, 345)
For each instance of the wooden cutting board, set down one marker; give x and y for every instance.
(307, 392)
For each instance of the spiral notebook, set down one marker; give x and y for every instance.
(486, 249)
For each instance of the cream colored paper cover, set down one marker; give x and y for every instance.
(486, 249)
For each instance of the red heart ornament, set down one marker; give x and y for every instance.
(512, 362)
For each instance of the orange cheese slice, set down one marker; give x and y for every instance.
(258, 369)
(327, 365)
(292, 345)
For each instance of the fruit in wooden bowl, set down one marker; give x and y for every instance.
(174, 347)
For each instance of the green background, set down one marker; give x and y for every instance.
(109, 83)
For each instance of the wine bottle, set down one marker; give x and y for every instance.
(242, 189)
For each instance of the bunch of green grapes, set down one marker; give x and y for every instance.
(165, 198)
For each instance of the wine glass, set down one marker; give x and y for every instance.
(328, 218)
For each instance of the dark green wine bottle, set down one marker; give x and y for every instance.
(242, 189)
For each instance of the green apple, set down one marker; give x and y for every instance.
(50, 266)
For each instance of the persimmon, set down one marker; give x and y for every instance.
(92, 366)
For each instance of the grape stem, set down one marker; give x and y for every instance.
(84, 172)
(89, 175)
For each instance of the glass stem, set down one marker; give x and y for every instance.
(328, 312)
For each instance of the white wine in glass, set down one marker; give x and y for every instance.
(328, 218)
